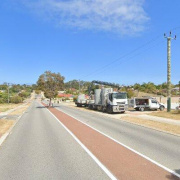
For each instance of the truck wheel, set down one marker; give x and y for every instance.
(141, 109)
(109, 110)
(161, 108)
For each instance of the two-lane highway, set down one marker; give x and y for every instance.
(76, 144)
(40, 148)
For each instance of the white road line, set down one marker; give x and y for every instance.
(2, 139)
(149, 159)
(86, 149)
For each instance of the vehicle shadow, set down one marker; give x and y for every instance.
(173, 177)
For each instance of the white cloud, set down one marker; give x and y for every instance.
(123, 16)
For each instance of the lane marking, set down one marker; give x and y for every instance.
(111, 176)
(149, 159)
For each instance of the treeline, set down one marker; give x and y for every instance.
(15, 93)
(50, 83)
(161, 89)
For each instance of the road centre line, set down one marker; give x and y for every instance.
(110, 175)
(136, 152)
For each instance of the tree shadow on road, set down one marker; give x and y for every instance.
(173, 177)
(41, 107)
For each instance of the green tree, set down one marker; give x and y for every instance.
(50, 83)
(137, 86)
(130, 93)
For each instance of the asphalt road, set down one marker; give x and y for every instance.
(40, 148)
(160, 147)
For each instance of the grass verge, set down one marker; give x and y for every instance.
(5, 124)
(175, 114)
(173, 129)
(6, 107)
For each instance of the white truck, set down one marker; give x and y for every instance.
(81, 100)
(108, 101)
(145, 103)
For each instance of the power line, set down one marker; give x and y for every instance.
(107, 65)
(126, 55)
(105, 68)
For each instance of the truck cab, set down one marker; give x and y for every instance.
(154, 104)
(117, 101)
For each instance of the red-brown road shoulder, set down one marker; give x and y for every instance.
(123, 163)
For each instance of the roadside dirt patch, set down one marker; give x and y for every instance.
(171, 115)
(6, 107)
(19, 111)
(8, 121)
(5, 125)
(173, 129)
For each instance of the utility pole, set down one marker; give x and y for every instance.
(169, 38)
(79, 86)
(8, 92)
(179, 88)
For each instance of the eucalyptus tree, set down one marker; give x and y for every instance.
(50, 83)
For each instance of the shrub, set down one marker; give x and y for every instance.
(24, 94)
(16, 99)
(3, 97)
(130, 93)
(74, 99)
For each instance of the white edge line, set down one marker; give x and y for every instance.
(86, 149)
(149, 159)
(3, 138)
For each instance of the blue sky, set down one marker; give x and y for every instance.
(118, 41)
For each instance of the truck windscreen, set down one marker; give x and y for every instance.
(119, 95)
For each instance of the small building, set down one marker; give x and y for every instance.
(65, 97)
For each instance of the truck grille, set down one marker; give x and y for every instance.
(119, 103)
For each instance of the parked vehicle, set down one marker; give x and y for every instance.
(104, 99)
(81, 100)
(178, 107)
(108, 101)
(145, 103)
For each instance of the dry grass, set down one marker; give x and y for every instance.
(6, 107)
(171, 115)
(19, 111)
(155, 125)
(5, 125)
(140, 94)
